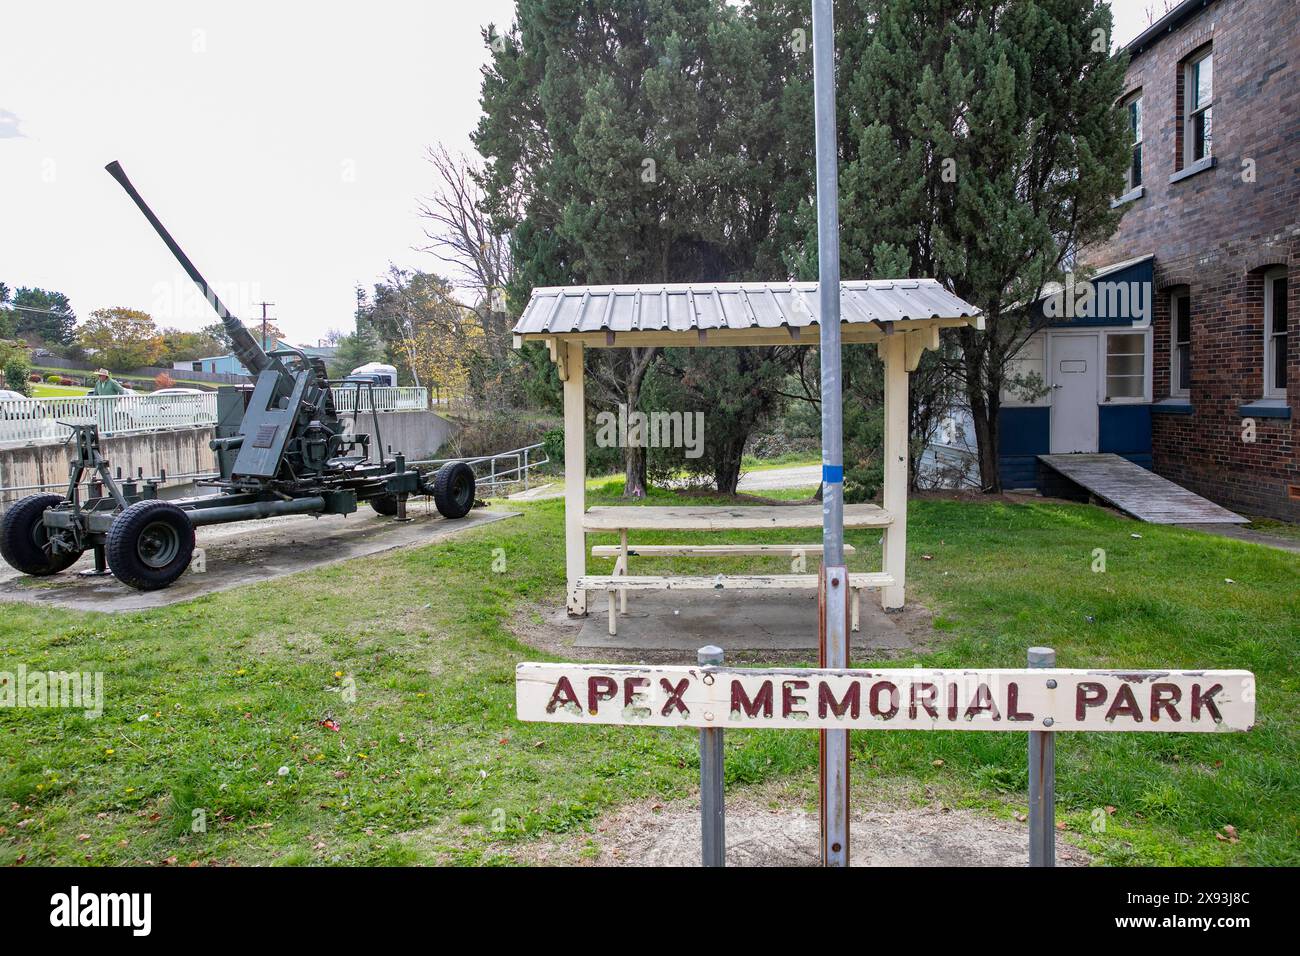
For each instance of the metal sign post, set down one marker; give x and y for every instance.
(833, 645)
(713, 842)
(1042, 778)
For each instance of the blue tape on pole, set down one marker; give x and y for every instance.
(833, 474)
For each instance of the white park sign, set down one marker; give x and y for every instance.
(960, 699)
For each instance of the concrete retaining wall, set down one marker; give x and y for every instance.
(181, 451)
(416, 434)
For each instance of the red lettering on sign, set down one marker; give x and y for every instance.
(562, 696)
(1013, 701)
(675, 696)
(1088, 694)
(952, 701)
(981, 702)
(1125, 704)
(852, 701)
(874, 701)
(925, 700)
(630, 692)
(1165, 696)
(740, 700)
(789, 699)
(598, 689)
(1205, 700)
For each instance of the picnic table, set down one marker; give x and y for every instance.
(623, 519)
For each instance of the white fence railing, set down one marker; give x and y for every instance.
(33, 419)
(30, 419)
(387, 398)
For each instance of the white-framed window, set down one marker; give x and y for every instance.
(1198, 107)
(1025, 381)
(1133, 111)
(1180, 342)
(1275, 333)
(1128, 370)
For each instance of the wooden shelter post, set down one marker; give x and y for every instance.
(568, 357)
(893, 352)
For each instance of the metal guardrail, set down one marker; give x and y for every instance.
(525, 460)
(34, 419)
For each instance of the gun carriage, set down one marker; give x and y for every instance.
(281, 446)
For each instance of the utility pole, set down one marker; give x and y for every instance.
(264, 320)
(833, 643)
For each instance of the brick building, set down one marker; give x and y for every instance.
(1213, 93)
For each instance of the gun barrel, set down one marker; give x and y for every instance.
(245, 346)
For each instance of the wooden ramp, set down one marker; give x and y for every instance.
(1137, 492)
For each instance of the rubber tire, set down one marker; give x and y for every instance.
(385, 505)
(123, 538)
(18, 542)
(453, 489)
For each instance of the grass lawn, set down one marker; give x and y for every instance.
(211, 747)
(45, 390)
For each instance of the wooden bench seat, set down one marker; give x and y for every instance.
(624, 518)
(716, 518)
(709, 550)
(617, 585)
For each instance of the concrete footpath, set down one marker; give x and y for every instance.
(246, 552)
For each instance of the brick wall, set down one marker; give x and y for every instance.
(1215, 232)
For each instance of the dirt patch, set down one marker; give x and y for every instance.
(548, 627)
(771, 826)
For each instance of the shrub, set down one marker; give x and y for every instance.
(66, 381)
(553, 445)
(34, 377)
(54, 379)
(17, 373)
(163, 380)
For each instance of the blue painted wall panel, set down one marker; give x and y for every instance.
(1023, 434)
(1125, 429)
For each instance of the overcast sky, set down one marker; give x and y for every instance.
(281, 143)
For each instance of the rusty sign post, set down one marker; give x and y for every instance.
(1040, 699)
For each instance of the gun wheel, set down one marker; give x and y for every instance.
(25, 541)
(150, 545)
(453, 489)
(385, 505)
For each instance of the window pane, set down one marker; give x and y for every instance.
(1125, 366)
(1184, 366)
(1117, 387)
(1184, 322)
(1279, 304)
(1135, 173)
(1279, 361)
(1126, 344)
(1135, 118)
(1201, 135)
(1204, 81)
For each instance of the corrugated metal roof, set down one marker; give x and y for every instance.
(731, 305)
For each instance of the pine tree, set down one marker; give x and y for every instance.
(981, 148)
(649, 142)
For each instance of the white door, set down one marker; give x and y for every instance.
(1073, 379)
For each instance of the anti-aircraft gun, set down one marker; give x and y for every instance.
(282, 449)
